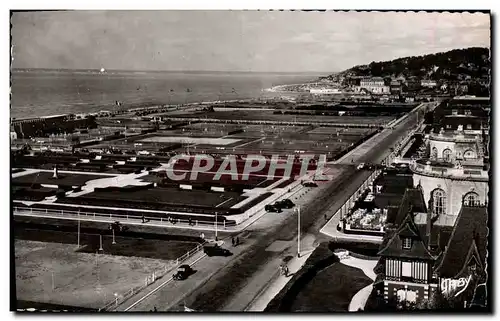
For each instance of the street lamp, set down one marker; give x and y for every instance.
(298, 231)
(78, 228)
(216, 226)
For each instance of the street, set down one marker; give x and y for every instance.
(219, 279)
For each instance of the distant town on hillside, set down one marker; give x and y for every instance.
(466, 71)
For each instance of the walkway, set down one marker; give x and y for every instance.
(279, 281)
(358, 301)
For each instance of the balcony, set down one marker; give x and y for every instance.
(453, 137)
(440, 169)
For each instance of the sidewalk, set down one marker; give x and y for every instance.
(279, 281)
(146, 292)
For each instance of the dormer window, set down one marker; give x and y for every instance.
(407, 243)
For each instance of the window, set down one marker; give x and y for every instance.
(434, 153)
(407, 243)
(471, 199)
(406, 269)
(454, 112)
(447, 155)
(439, 201)
(469, 154)
(468, 112)
(448, 126)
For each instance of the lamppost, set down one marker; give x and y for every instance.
(216, 226)
(113, 236)
(78, 228)
(298, 231)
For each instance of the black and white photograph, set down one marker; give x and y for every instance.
(255, 161)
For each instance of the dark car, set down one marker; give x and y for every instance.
(286, 203)
(117, 226)
(183, 272)
(310, 184)
(272, 208)
(216, 250)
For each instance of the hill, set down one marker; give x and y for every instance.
(455, 65)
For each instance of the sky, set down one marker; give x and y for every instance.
(262, 41)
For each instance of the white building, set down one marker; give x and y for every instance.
(427, 83)
(325, 91)
(454, 173)
(374, 85)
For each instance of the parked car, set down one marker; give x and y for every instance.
(272, 208)
(117, 226)
(361, 166)
(183, 272)
(216, 250)
(286, 203)
(309, 184)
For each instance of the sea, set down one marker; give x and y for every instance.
(36, 93)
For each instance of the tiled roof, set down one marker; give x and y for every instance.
(394, 247)
(392, 213)
(412, 200)
(468, 239)
(440, 235)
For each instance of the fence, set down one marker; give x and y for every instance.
(111, 217)
(120, 298)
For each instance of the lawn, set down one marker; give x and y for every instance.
(129, 244)
(168, 196)
(54, 273)
(322, 285)
(331, 290)
(64, 179)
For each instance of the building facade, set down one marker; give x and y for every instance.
(436, 241)
(374, 85)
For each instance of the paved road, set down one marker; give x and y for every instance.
(219, 279)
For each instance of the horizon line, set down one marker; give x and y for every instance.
(183, 71)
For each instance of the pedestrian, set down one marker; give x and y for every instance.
(202, 235)
(190, 221)
(155, 310)
(143, 219)
(237, 241)
(286, 271)
(232, 241)
(326, 217)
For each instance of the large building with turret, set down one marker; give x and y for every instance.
(437, 238)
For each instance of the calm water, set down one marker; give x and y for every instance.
(41, 93)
